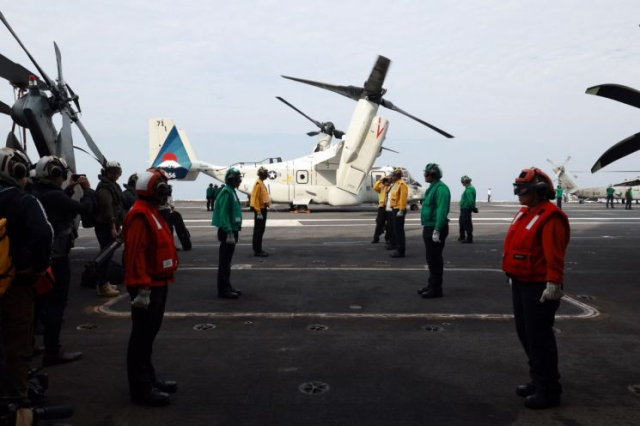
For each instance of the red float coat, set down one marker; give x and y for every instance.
(536, 243)
(150, 256)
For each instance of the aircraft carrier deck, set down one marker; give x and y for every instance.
(330, 330)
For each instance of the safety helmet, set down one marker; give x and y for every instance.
(397, 172)
(433, 170)
(111, 166)
(153, 183)
(534, 179)
(465, 178)
(52, 167)
(231, 175)
(14, 165)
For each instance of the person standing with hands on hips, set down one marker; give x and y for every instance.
(150, 260)
(435, 208)
(533, 259)
(227, 216)
(260, 202)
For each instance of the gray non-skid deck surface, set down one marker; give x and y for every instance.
(381, 370)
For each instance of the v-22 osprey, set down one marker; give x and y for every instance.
(340, 174)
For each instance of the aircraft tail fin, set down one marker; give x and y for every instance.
(170, 150)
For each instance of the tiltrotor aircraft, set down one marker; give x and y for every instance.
(593, 193)
(34, 109)
(340, 174)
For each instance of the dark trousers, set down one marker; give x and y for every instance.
(166, 215)
(209, 204)
(258, 230)
(16, 332)
(103, 234)
(145, 324)
(381, 221)
(224, 261)
(435, 262)
(610, 200)
(534, 324)
(559, 202)
(55, 302)
(466, 225)
(391, 232)
(627, 206)
(398, 231)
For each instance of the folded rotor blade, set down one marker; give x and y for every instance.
(338, 134)
(617, 92)
(373, 85)
(317, 123)
(389, 149)
(13, 142)
(387, 104)
(313, 133)
(88, 153)
(44, 75)
(616, 152)
(351, 92)
(4, 108)
(16, 74)
(64, 146)
(634, 182)
(92, 145)
(59, 63)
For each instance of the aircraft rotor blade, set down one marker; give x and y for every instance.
(44, 75)
(59, 63)
(389, 149)
(617, 92)
(373, 86)
(566, 161)
(350, 92)
(317, 123)
(634, 182)
(88, 153)
(338, 134)
(388, 104)
(64, 147)
(313, 133)
(4, 108)
(13, 142)
(618, 151)
(553, 164)
(16, 74)
(92, 145)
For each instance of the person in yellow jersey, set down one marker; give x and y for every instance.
(260, 202)
(382, 188)
(398, 196)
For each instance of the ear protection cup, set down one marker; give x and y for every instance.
(19, 171)
(162, 189)
(55, 172)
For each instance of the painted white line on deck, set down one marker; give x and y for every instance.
(587, 311)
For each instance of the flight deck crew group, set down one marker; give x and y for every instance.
(41, 234)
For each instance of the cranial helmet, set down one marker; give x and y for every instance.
(534, 179)
(231, 175)
(111, 166)
(465, 179)
(397, 172)
(52, 167)
(131, 183)
(14, 165)
(433, 170)
(153, 183)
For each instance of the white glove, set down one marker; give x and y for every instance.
(259, 216)
(436, 236)
(552, 292)
(400, 213)
(142, 300)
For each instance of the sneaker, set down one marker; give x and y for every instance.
(106, 291)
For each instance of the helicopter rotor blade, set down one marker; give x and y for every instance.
(616, 92)
(64, 145)
(4, 108)
(16, 74)
(554, 164)
(13, 142)
(317, 123)
(389, 149)
(566, 161)
(44, 75)
(388, 104)
(313, 133)
(617, 151)
(59, 63)
(92, 145)
(373, 86)
(88, 153)
(351, 92)
(338, 134)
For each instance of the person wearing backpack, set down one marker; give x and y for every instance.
(30, 236)
(51, 173)
(109, 216)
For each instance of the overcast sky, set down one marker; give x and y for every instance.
(507, 78)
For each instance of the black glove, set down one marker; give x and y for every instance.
(475, 210)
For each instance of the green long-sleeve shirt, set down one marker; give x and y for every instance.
(435, 205)
(468, 199)
(611, 191)
(227, 214)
